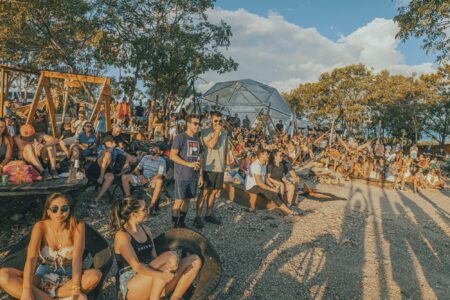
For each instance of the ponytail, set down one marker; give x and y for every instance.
(122, 209)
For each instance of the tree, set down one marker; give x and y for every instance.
(166, 44)
(49, 34)
(429, 19)
(437, 123)
(339, 95)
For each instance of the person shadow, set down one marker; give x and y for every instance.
(284, 267)
(419, 249)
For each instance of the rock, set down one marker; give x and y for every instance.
(16, 217)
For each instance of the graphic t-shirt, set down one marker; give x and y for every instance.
(189, 149)
(256, 168)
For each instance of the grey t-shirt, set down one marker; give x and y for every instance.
(214, 160)
(189, 149)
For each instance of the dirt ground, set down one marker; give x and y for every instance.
(376, 244)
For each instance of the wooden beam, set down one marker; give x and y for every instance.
(18, 70)
(95, 111)
(50, 106)
(37, 95)
(107, 99)
(75, 77)
(2, 72)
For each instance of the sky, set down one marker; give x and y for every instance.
(287, 42)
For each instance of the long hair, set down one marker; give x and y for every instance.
(5, 132)
(71, 221)
(272, 155)
(122, 209)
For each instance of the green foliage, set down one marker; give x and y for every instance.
(44, 34)
(361, 101)
(427, 19)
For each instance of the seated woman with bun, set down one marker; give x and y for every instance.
(53, 267)
(143, 274)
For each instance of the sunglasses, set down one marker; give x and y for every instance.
(218, 121)
(63, 208)
(89, 126)
(195, 123)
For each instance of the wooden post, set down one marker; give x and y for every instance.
(35, 102)
(50, 106)
(107, 99)
(65, 103)
(2, 72)
(96, 110)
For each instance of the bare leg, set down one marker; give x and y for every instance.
(126, 182)
(89, 280)
(290, 192)
(30, 157)
(52, 157)
(201, 201)
(156, 191)
(211, 199)
(187, 271)
(108, 181)
(11, 281)
(64, 148)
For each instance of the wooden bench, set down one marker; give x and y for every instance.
(381, 183)
(42, 188)
(238, 194)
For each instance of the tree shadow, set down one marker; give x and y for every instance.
(419, 250)
(326, 267)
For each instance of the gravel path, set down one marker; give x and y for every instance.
(377, 244)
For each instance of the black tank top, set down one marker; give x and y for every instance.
(143, 251)
(3, 148)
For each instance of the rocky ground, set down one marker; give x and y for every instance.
(376, 244)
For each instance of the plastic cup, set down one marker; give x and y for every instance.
(4, 179)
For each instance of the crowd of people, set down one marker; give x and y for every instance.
(147, 153)
(399, 165)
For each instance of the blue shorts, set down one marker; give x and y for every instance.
(185, 189)
(125, 276)
(43, 269)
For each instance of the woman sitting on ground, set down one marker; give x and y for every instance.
(143, 274)
(56, 246)
(6, 145)
(276, 176)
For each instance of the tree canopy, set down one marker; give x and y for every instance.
(429, 20)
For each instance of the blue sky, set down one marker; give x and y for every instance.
(332, 18)
(284, 43)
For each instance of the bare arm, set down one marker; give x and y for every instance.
(262, 185)
(8, 155)
(175, 157)
(32, 255)
(211, 140)
(77, 261)
(122, 245)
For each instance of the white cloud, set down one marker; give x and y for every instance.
(282, 54)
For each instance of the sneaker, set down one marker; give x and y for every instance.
(213, 219)
(198, 223)
(46, 175)
(54, 174)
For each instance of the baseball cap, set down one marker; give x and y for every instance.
(27, 131)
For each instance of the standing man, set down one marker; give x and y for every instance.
(185, 154)
(214, 160)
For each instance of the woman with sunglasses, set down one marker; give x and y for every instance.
(6, 145)
(143, 274)
(56, 247)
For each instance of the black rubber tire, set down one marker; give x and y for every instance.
(194, 243)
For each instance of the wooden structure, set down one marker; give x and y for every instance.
(42, 188)
(5, 72)
(238, 194)
(71, 80)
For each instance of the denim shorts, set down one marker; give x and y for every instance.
(43, 269)
(51, 278)
(125, 276)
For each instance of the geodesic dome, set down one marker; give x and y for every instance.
(248, 97)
